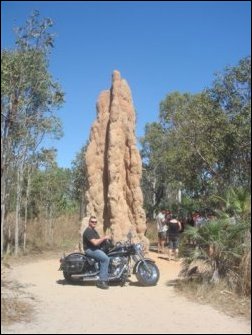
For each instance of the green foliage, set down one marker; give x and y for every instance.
(235, 202)
(221, 245)
(29, 99)
(202, 142)
(51, 192)
(29, 94)
(232, 93)
(153, 166)
(195, 138)
(80, 181)
(80, 174)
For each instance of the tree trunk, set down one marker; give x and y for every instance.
(18, 205)
(154, 198)
(82, 206)
(26, 207)
(50, 226)
(3, 195)
(179, 196)
(5, 153)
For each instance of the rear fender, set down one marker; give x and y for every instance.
(75, 255)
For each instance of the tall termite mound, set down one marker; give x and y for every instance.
(114, 166)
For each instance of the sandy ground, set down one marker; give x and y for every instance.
(61, 308)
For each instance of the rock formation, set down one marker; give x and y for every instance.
(114, 166)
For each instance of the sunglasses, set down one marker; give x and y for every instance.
(93, 221)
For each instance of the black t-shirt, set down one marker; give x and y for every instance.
(88, 235)
(173, 228)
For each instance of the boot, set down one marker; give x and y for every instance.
(102, 284)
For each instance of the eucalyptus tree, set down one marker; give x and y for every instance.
(153, 165)
(202, 141)
(51, 196)
(231, 91)
(29, 98)
(80, 181)
(196, 129)
(41, 160)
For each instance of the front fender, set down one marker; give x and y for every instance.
(135, 269)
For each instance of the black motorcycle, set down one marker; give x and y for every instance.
(125, 258)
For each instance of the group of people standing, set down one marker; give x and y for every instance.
(168, 227)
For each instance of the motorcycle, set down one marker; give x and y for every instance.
(125, 258)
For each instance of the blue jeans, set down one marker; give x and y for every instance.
(100, 256)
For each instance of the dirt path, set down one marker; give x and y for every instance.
(61, 308)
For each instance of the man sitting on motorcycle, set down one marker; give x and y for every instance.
(91, 244)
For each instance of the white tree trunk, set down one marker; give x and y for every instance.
(26, 207)
(18, 205)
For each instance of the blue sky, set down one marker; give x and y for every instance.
(158, 46)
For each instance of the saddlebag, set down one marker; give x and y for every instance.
(74, 263)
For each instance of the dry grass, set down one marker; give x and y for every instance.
(64, 233)
(61, 232)
(16, 306)
(14, 310)
(245, 273)
(217, 295)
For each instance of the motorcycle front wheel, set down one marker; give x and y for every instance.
(147, 273)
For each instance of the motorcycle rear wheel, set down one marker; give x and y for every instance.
(67, 276)
(147, 277)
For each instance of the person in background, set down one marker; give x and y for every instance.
(174, 227)
(168, 216)
(162, 230)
